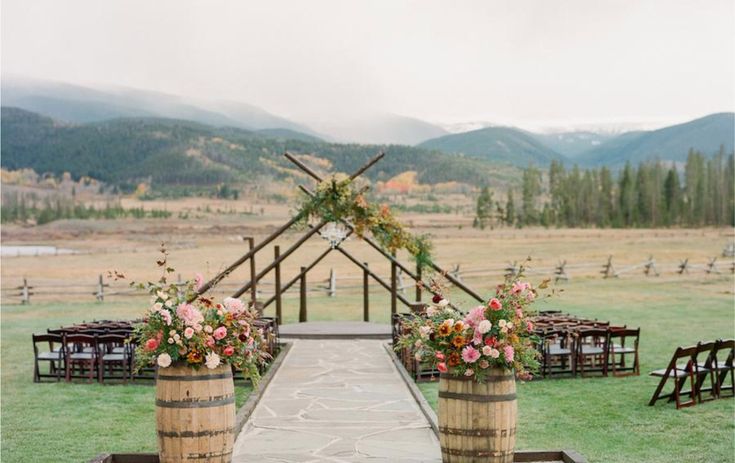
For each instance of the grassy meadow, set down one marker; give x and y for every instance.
(605, 419)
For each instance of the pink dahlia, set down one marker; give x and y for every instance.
(470, 354)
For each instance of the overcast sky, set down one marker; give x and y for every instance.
(521, 62)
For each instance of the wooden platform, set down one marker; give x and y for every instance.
(335, 330)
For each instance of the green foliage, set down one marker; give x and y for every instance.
(651, 195)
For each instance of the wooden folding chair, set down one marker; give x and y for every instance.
(558, 348)
(616, 342)
(55, 356)
(591, 355)
(114, 357)
(720, 364)
(82, 351)
(679, 374)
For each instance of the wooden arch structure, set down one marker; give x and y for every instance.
(279, 257)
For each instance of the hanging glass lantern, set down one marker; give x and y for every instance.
(334, 233)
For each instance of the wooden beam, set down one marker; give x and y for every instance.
(373, 275)
(279, 300)
(253, 289)
(302, 296)
(211, 283)
(369, 164)
(302, 166)
(393, 287)
(288, 252)
(365, 294)
(457, 283)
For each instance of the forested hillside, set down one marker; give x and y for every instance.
(168, 152)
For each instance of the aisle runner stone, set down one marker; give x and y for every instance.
(337, 401)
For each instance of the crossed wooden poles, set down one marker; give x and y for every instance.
(314, 229)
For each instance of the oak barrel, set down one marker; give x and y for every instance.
(477, 421)
(195, 414)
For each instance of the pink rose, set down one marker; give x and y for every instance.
(439, 356)
(469, 372)
(151, 344)
(495, 304)
(442, 367)
(519, 313)
(209, 342)
(529, 326)
(220, 333)
(233, 305)
(188, 332)
(470, 354)
(166, 315)
(229, 350)
(508, 353)
(484, 364)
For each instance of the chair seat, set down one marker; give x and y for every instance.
(623, 350)
(677, 373)
(556, 350)
(82, 356)
(118, 350)
(592, 350)
(722, 366)
(50, 356)
(113, 357)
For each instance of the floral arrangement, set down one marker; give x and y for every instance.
(182, 327)
(496, 335)
(335, 200)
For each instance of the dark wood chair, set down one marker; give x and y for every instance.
(557, 352)
(114, 357)
(591, 354)
(720, 364)
(616, 341)
(55, 356)
(82, 351)
(679, 374)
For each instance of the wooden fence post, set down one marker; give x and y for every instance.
(253, 288)
(365, 295)
(332, 283)
(302, 296)
(393, 287)
(418, 283)
(25, 294)
(100, 290)
(279, 301)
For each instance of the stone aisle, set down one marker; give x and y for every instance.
(337, 401)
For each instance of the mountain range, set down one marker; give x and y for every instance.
(86, 107)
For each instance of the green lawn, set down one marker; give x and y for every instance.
(605, 419)
(61, 422)
(608, 419)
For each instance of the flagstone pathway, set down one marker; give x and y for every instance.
(337, 401)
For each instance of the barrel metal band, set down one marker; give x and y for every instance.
(214, 402)
(478, 432)
(486, 379)
(477, 453)
(207, 456)
(477, 397)
(195, 378)
(210, 433)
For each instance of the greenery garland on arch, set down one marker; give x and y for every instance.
(335, 199)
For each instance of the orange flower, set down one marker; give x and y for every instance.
(458, 327)
(445, 329)
(194, 357)
(453, 359)
(459, 341)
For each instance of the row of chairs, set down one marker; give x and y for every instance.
(711, 360)
(106, 350)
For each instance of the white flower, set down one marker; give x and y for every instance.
(449, 321)
(161, 295)
(417, 356)
(443, 303)
(171, 340)
(212, 360)
(502, 323)
(487, 350)
(156, 307)
(509, 326)
(484, 326)
(418, 343)
(208, 329)
(425, 331)
(494, 353)
(169, 303)
(164, 360)
(233, 305)
(469, 372)
(430, 311)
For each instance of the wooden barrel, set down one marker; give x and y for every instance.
(477, 421)
(195, 414)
